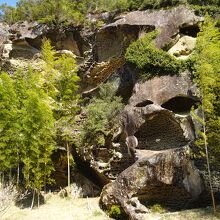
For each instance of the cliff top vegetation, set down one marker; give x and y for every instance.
(74, 12)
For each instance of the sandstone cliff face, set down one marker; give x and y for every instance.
(166, 176)
(112, 40)
(21, 43)
(157, 111)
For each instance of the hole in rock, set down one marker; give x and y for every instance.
(160, 131)
(89, 172)
(180, 104)
(170, 198)
(190, 31)
(144, 103)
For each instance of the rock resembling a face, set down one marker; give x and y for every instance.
(160, 109)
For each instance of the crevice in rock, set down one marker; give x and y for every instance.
(174, 198)
(180, 104)
(144, 103)
(168, 196)
(128, 78)
(190, 30)
(160, 131)
(84, 166)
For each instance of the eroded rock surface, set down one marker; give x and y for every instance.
(183, 48)
(157, 115)
(21, 42)
(168, 177)
(112, 40)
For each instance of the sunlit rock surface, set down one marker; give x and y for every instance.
(167, 177)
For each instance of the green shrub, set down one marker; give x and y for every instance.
(44, 11)
(97, 213)
(115, 212)
(151, 60)
(157, 208)
(201, 10)
(101, 116)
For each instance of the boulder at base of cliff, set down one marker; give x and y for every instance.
(167, 177)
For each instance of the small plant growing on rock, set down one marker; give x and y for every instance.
(157, 208)
(115, 212)
(102, 115)
(150, 60)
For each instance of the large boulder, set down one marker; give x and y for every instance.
(183, 48)
(22, 41)
(157, 115)
(32, 33)
(168, 177)
(112, 40)
(158, 112)
(161, 90)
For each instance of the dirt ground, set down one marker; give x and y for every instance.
(57, 208)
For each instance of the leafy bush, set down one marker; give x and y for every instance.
(152, 4)
(102, 114)
(151, 60)
(44, 11)
(201, 10)
(207, 77)
(69, 11)
(115, 212)
(157, 208)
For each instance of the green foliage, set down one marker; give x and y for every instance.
(149, 59)
(201, 10)
(44, 11)
(207, 2)
(31, 104)
(67, 12)
(27, 127)
(153, 4)
(60, 83)
(102, 114)
(157, 208)
(207, 77)
(38, 131)
(115, 212)
(9, 126)
(8, 13)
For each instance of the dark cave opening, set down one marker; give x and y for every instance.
(190, 30)
(86, 169)
(180, 104)
(173, 199)
(144, 103)
(170, 197)
(160, 131)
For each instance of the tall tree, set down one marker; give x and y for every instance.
(9, 126)
(60, 72)
(61, 84)
(102, 113)
(207, 75)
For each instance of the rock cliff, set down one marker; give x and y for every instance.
(156, 113)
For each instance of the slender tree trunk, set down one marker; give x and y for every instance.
(38, 198)
(3, 177)
(18, 169)
(10, 176)
(68, 166)
(45, 178)
(32, 204)
(18, 175)
(207, 160)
